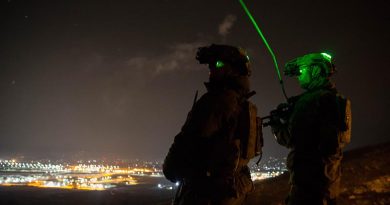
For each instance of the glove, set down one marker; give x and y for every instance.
(284, 111)
(280, 115)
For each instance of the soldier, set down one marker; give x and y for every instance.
(315, 126)
(207, 157)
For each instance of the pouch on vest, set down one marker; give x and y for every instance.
(344, 133)
(250, 131)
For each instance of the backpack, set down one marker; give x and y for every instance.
(250, 131)
(345, 120)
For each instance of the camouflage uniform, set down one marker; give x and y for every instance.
(312, 132)
(205, 155)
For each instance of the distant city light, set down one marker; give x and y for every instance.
(79, 176)
(91, 175)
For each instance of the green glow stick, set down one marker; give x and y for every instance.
(266, 44)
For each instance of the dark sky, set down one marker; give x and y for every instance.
(118, 77)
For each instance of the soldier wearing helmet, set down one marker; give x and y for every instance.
(206, 156)
(312, 70)
(315, 126)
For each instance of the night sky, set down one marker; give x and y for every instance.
(118, 77)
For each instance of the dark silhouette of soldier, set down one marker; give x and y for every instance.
(207, 157)
(315, 126)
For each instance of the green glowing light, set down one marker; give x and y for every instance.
(219, 64)
(327, 56)
(302, 69)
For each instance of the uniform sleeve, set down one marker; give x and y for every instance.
(174, 166)
(328, 125)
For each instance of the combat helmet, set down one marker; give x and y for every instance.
(324, 60)
(218, 55)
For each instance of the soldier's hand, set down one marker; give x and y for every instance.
(275, 119)
(284, 110)
(283, 107)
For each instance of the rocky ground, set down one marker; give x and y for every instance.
(365, 180)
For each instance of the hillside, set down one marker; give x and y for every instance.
(365, 180)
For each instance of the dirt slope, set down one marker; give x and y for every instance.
(365, 180)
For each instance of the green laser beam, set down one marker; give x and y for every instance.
(262, 36)
(266, 44)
